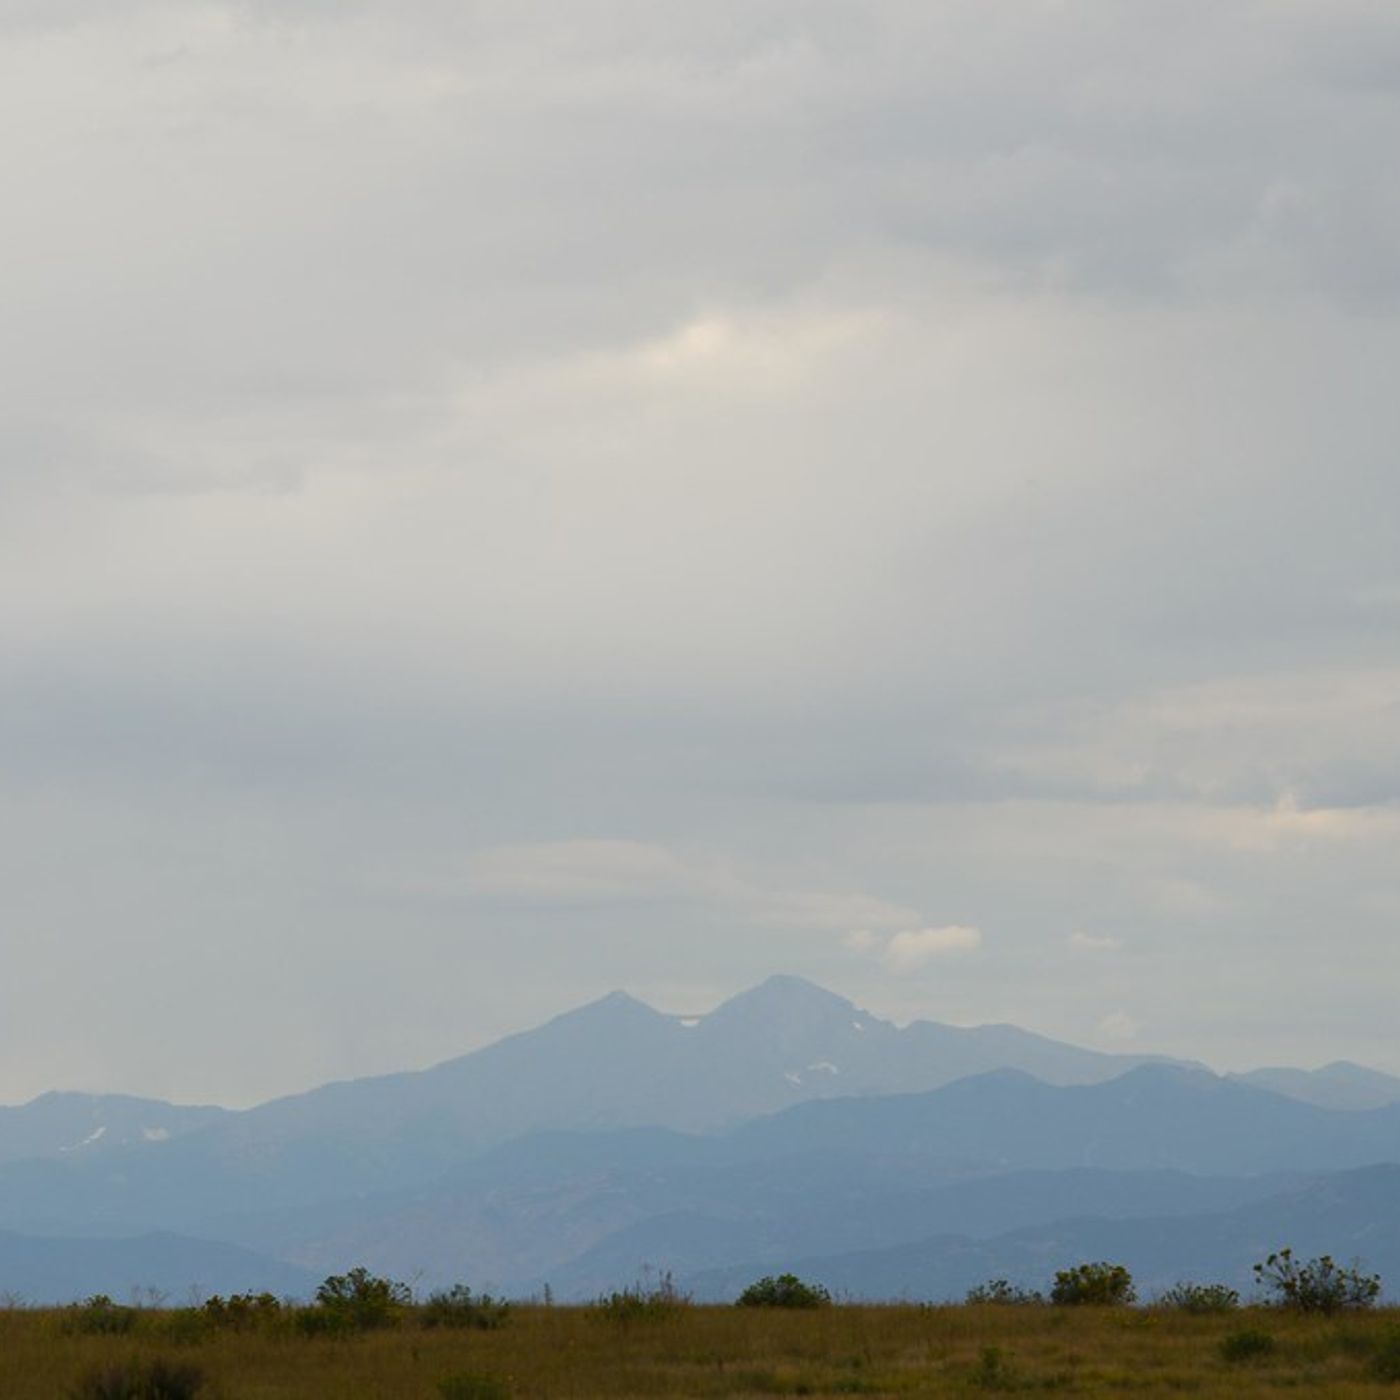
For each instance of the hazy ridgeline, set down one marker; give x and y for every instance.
(787, 1129)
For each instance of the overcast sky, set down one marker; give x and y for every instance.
(502, 501)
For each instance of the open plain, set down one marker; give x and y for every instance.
(580, 1353)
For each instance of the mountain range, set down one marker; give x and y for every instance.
(58, 1124)
(1351, 1215)
(786, 1125)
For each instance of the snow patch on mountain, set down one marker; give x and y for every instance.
(96, 1135)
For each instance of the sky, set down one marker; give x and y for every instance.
(504, 501)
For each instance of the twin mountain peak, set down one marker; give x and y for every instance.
(788, 1126)
(617, 1063)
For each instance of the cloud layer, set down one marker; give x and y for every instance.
(502, 501)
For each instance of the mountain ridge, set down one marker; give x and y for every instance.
(776, 1178)
(1354, 1214)
(618, 1062)
(783, 1041)
(157, 1265)
(615, 1127)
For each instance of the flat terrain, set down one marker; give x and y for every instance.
(695, 1351)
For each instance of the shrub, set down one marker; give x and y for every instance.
(357, 1301)
(1316, 1285)
(98, 1315)
(457, 1307)
(1098, 1285)
(1248, 1344)
(1003, 1293)
(140, 1380)
(473, 1385)
(1200, 1298)
(644, 1302)
(242, 1311)
(784, 1291)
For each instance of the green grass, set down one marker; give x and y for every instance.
(694, 1351)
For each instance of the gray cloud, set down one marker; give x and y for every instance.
(886, 468)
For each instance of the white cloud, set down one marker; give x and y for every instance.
(1286, 824)
(1295, 740)
(911, 949)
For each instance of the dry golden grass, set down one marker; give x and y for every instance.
(847, 1350)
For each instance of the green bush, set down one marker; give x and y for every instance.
(1003, 1293)
(1316, 1285)
(1200, 1298)
(1096, 1285)
(473, 1385)
(242, 1311)
(140, 1380)
(357, 1301)
(1248, 1344)
(98, 1316)
(784, 1291)
(459, 1307)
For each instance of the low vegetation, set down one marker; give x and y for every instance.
(784, 1291)
(1316, 1285)
(459, 1307)
(140, 1380)
(242, 1311)
(1247, 1344)
(647, 1300)
(473, 1385)
(1003, 1293)
(357, 1301)
(99, 1316)
(1200, 1298)
(367, 1337)
(1093, 1285)
(1385, 1359)
(578, 1353)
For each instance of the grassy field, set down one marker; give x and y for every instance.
(701, 1351)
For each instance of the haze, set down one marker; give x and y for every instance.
(504, 501)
